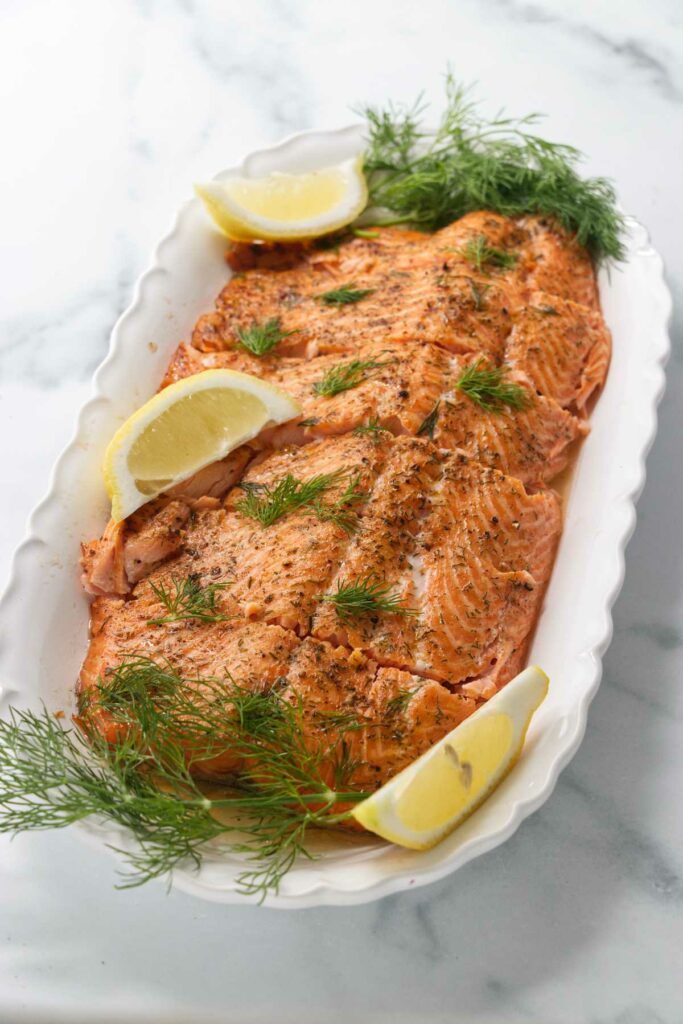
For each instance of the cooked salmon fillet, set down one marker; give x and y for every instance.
(557, 264)
(398, 715)
(563, 348)
(532, 443)
(468, 550)
(399, 393)
(449, 512)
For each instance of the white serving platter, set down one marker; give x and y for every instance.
(44, 613)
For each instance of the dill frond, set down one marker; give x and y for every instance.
(345, 295)
(486, 385)
(371, 429)
(428, 425)
(266, 503)
(52, 776)
(473, 164)
(481, 255)
(344, 376)
(397, 705)
(343, 512)
(366, 595)
(259, 339)
(188, 599)
(478, 294)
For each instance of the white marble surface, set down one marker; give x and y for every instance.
(109, 111)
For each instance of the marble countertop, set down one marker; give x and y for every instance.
(109, 111)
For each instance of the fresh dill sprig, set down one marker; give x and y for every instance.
(52, 776)
(188, 599)
(259, 339)
(312, 421)
(397, 705)
(428, 425)
(481, 255)
(366, 595)
(344, 376)
(478, 294)
(343, 512)
(266, 503)
(345, 295)
(372, 429)
(473, 164)
(364, 233)
(486, 385)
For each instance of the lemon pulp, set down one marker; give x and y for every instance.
(287, 206)
(289, 197)
(180, 436)
(457, 776)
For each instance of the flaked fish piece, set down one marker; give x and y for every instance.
(130, 549)
(562, 347)
(103, 569)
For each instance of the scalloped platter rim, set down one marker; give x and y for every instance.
(44, 611)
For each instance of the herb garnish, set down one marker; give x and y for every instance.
(259, 339)
(397, 705)
(266, 503)
(344, 376)
(486, 385)
(472, 164)
(478, 293)
(428, 425)
(346, 295)
(547, 310)
(371, 429)
(365, 595)
(188, 599)
(481, 255)
(343, 511)
(52, 776)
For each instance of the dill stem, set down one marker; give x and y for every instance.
(390, 223)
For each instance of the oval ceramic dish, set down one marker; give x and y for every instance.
(44, 613)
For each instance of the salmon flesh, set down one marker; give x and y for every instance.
(440, 499)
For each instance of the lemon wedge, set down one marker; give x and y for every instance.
(188, 425)
(434, 794)
(286, 206)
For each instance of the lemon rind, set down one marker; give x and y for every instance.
(246, 226)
